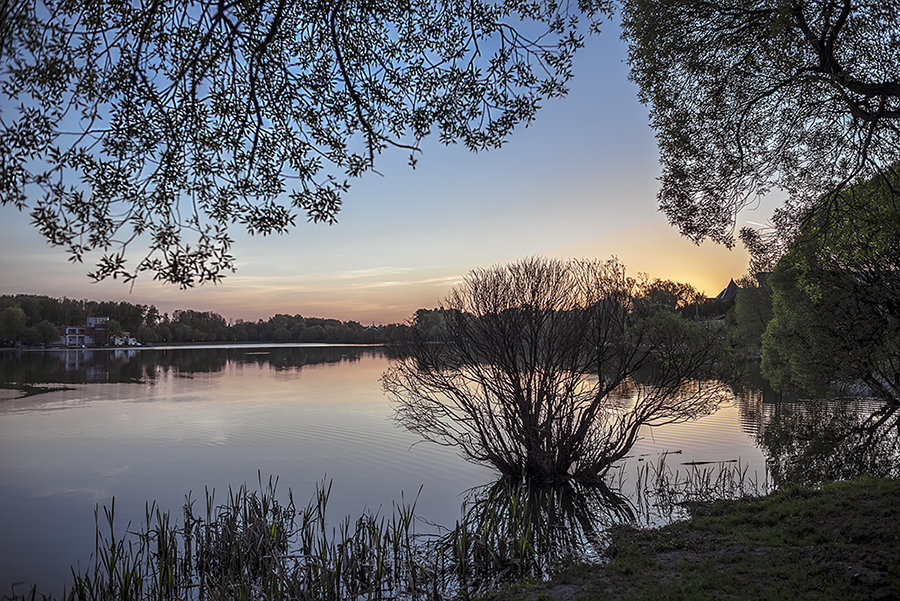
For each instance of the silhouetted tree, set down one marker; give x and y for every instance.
(115, 328)
(675, 296)
(751, 95)
(46, 332)
(12, 324)
(534, 356)
(173, 121)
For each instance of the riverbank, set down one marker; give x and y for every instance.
(839, 542)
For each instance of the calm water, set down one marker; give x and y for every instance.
(150, 424)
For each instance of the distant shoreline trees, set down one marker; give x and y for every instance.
(32, 320)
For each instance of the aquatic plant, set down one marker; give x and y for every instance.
(256, 545)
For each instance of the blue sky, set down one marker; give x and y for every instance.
(579, 182)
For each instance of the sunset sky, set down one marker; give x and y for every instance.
(579, 182)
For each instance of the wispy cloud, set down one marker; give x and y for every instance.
(433, 281)
(370, 272)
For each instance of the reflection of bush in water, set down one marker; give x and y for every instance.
(814, 442)
(663, 494)
(511, 530)
(254, 546)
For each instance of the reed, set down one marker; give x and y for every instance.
(255, 547)
(662, 492)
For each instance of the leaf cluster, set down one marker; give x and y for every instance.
(836, 296)
(162, 124)
(751, 95)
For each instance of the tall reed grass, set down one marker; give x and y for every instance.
(252, 546)
(663, 493)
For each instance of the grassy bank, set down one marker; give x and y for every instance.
(839, 542)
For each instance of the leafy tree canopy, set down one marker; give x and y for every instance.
(751, 95)
(752, 312)
(172, 121)
(836, 296)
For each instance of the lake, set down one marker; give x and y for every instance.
(83, 426)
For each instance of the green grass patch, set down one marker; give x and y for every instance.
(838, 542)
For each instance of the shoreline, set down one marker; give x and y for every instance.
(840, 541)
(199, 345)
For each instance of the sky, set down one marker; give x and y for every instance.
(579, 182)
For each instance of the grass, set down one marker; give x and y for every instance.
(254, 547)
(838, 542)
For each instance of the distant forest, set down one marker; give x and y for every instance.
(33, 320)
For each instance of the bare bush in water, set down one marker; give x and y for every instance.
(530, 360)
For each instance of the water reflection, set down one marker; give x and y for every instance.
(253, 545)
(512, 529)
(156, 423)
(89, 366)
(302, 413)
(821, 441)
(813, 441)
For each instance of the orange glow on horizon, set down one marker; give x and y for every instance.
(394, 297)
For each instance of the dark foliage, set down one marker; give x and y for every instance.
(158, 126)
(836, 297)
(751, 95)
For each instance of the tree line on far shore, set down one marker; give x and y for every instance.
(33, 320)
